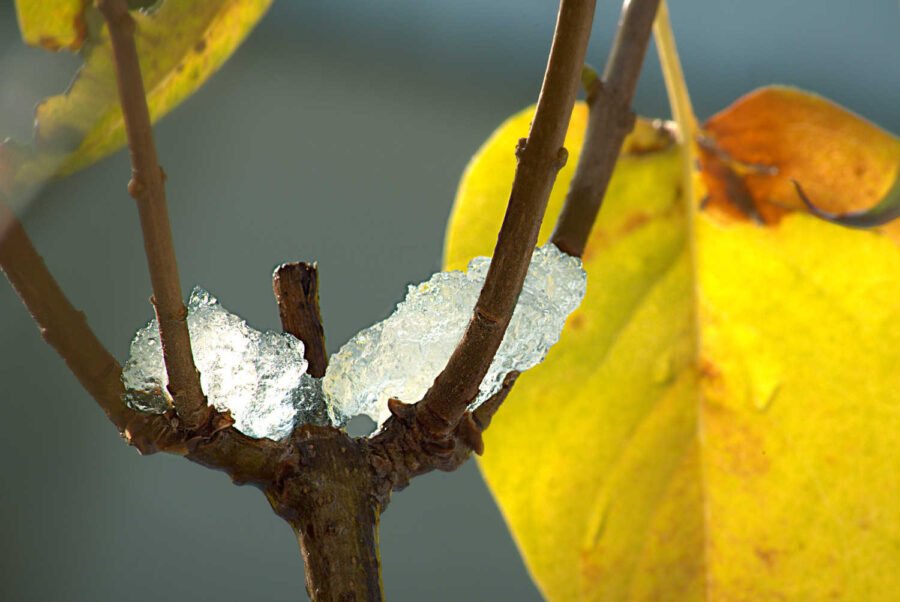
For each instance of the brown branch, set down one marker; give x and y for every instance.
(484, 413)
(147, 186)
(324, 491)
(65, 329)
(62, 326)
(609, 121)
(296, 287)
(245, 459)
(540, 157)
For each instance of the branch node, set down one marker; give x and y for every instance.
(470, 432)
(520, 148)
(136, 188)
(562, 157)
(403, 411)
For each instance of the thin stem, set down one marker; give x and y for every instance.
(610, 120)
(147, 186)
(65, 329)
(61, 325)
(296, 288)
(679, 99)
(540, 157)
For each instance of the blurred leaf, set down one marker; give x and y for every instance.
(886, 211)
(719, 419)
(53, 24)
(181, 43)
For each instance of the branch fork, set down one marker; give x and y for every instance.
(329, 487)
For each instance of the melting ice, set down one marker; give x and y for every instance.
(261, 376)
(401, 356)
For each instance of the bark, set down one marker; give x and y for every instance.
(296, 288)
(324, 491)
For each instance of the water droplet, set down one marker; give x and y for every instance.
(764, 386)
(763, 399)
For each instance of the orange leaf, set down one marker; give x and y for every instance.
(754, 149)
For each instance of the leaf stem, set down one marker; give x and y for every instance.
(147, 186)
(676, 87)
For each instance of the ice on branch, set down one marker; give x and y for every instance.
(259, 376)
(401, 356)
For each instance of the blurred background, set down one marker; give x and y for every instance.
(337, 133)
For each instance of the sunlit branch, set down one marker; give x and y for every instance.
(147, 186)
(540, 156)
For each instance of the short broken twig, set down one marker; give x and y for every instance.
(296, 288)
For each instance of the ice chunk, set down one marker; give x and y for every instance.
(259, 376)
(400, 356)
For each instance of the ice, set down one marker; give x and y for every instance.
(259, 376)
(400, 356)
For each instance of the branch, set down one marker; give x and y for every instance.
(62, 326)
(296, 287)
(540, 157)
(66, 330)
(147, 186)
(609, 121)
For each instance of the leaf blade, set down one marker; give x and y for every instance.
(52, 24)
(180, 45)
(628, 467)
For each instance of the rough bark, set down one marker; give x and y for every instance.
(323, 490)
(296, 288)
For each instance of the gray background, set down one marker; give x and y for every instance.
(337, 133)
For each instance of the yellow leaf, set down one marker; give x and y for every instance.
(719, 420)
(180, 45)
(52, 24)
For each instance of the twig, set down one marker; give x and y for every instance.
(65, 329)
(540, 157)
(609, 121)
(296, 288)
(147, 186)
(61, 325)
